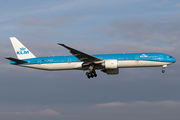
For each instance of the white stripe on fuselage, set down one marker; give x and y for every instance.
(56, 66)
(140, 63)
(77, 65)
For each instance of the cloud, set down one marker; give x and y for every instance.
(157, 33)
(92, 4)
(44, 112)
(113, 104)
(164, 2)
(44, 27)
(168, 103)
(137, 110)
(45, 22)
(77, 36)
(178, 5)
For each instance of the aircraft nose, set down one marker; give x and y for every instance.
(173, 60)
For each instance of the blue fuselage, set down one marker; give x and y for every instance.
(124, 60)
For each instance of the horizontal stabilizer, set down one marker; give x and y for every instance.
(16, 60)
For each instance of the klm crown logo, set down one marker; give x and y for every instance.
(143, 55)
(22, 48)
(22, 51)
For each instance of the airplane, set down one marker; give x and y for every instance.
(107, 63)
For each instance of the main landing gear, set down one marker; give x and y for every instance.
(92, 72)
(163, 70)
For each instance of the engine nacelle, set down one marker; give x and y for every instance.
(111, 67)
(111, 64)
(111, 71)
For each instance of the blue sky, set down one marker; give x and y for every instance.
(94, 27)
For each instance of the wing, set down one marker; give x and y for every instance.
(83, 56)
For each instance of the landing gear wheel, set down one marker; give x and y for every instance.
(88, 76)
(95, 75)
(163, 71)
(91, 74)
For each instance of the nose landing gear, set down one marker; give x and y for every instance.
(163, 70)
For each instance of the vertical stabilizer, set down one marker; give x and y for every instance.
(21, 51)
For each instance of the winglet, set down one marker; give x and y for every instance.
(65, 46)
(61, 44)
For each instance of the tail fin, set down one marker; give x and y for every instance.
(21, 51)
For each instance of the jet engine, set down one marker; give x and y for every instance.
(111, 67)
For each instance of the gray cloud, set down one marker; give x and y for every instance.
(162, 32)
(77, 37)
(44, 112)
(163, 2)
(92, 4)
(113, 104)
(138, 110)
(177, 5)
(136, 93)
(44, 88)
(168, 103)
(45, 22)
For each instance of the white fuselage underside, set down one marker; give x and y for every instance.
(78, 65)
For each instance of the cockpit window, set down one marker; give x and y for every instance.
(171, 57)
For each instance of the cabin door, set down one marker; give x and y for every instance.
(39, 62)
(160, 58)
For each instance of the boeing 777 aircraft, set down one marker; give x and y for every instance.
(108, 63)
